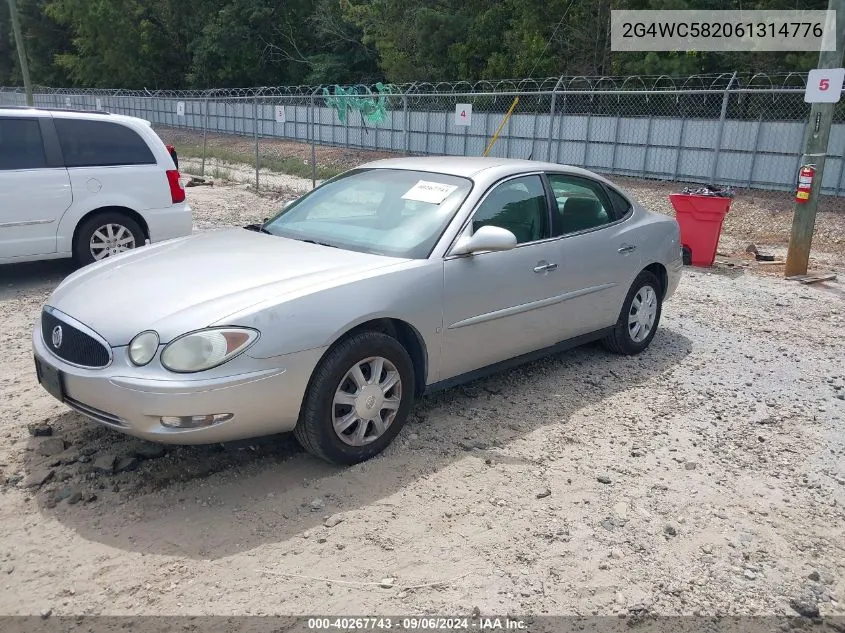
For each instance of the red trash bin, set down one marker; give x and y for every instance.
(700, 219)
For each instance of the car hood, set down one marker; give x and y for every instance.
(192, 282)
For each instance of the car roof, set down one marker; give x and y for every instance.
(473, 166)
(67, 113)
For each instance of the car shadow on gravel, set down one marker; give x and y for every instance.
(18, 278)
(209, 502)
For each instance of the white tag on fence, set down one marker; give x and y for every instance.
(824, 85)
(280, 114)
(180, 108)
(463, 113)
(67, 101)
(99, 103)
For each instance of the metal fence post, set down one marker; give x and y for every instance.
(718, 146)
(552, 120)
(204, 140)
(559, 129)
(405, 140)
(255, 133)
(313, 131)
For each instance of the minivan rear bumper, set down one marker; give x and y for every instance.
(173, 221)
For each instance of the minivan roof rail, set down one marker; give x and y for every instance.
(78, 110)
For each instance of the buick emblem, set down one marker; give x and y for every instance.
(57, 336)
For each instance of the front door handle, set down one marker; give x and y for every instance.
(627, 248)
(543, 267)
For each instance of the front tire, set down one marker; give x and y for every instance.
(104, 235)
(639, 317)
(359, 399)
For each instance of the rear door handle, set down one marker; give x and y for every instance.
(543, 267)
(627, 248)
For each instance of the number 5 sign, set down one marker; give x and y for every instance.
(463, 113)
(824, 85)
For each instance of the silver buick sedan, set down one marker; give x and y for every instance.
(392, 280)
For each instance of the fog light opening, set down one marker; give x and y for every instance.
(193, 421)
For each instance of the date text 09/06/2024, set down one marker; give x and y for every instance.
(429, 623)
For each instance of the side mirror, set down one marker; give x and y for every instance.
(487, 238)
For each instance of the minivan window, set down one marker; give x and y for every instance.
(20, 144)
(101, 144)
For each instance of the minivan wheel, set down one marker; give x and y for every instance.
(104, 235)
(639, 317)
(359, 399)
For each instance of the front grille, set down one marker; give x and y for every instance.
(75, 346)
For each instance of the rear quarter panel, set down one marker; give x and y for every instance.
(659, 237)
(136, 187)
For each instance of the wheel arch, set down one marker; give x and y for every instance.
(407, 335)
(134, 215)
(659, 270)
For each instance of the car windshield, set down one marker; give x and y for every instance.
(394, 212)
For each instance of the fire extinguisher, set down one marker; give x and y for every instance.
(805, 183)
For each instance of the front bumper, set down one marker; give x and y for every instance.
(263, 396)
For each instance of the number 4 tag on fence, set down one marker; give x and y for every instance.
(280, 114)
(463, 113)
(824, 85)
(180, 108)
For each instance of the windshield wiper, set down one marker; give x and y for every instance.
(258, 228)
(319, 243)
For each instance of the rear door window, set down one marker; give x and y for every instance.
(101, 144)
(582, 204)
(21, 146)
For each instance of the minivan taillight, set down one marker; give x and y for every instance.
(177, 191)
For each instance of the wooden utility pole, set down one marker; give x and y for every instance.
(815, 153)
(16, 29)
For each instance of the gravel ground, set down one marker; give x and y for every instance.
(706, 475)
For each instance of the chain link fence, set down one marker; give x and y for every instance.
(728, 129)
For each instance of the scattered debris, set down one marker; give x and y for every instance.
(51, 446)
(105, 464)
(333, 520)
(710, 190)
(38, 477)
(125, 464)
(760, 257)
(196, 181)
(805, 605)
(814, 278)
(40, 429)
(148, 450)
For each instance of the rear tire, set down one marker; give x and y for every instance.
(108, 233)
(349, 414)
(639, 317)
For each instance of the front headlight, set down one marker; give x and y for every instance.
(204, 349)
(143, 347)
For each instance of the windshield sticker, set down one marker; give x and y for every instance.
(432, 192)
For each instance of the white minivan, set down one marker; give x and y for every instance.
(86, 185)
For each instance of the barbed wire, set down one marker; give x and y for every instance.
(764, 82)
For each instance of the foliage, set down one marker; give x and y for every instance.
(236, 43)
